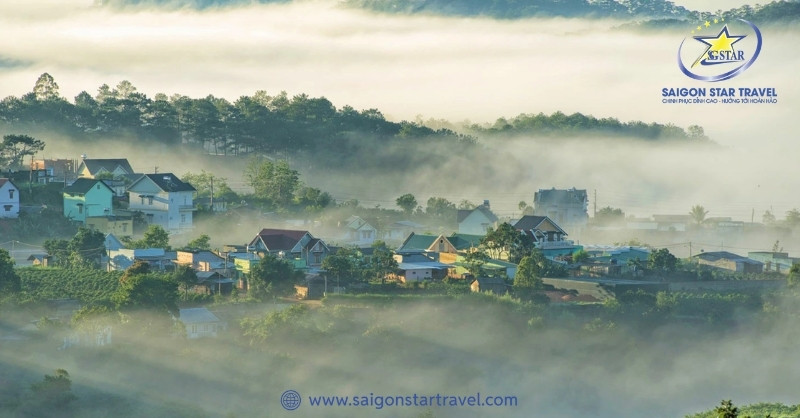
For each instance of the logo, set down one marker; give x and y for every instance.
(290, 400)
(719, 50)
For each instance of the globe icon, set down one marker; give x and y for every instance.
(290, 400)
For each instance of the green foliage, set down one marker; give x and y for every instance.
(9, 280)
(55, 390)
(185, 276)
(609, 216)
(86, 285)
(275, 182)
(759, 410)
(794, 275)
(440, 207)
(474, 262)
(507, 242)
(407, 202)
(342, 265)
(207, 185)
(561, 125)
(528, 276)
(662, 261)
(382, 262)
(698, 214)
(14, 148)
(85, 248)
(148, 291)
(580, 256)
(154, 237)
(272, 277)
(294, 321)
(203, 242)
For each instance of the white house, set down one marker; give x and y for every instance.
(476, 221)
(9, 199)
(356, 231)
(164, 199)
(200, 322)
(115, 167)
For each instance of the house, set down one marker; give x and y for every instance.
(212, 282)
(492, 267)
(415, 267)
(774, 261)
(86, 198)
(43, 260)
(200, 260)
(495, 285)
(476, 221)
(729, 261)
(123, 258)
(45, 171)
(111, 167)
(672, 223)
(200, 322)
(121, 225)
(568, 207)
(453, 244)
(119, 184)
(164, 199)
(9, 199)
(356, 231)
(399, 230)
(217, 204)
(113, 243)
(611, 260)
(291, 244)
(547, 235)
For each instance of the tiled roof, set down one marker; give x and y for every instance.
(280, 239)
(168, 182)
(83, 185)
(464, 213)
(109, 164)
(418, 242)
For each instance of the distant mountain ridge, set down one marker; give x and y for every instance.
(647, 14)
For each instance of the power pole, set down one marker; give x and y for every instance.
(690, 249)
(211, 203)
(595, 204)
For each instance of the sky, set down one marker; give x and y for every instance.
(460, 69)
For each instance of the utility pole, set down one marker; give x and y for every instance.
(690, 249)
(211, 203)
(595, 204)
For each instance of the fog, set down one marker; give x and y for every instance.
(463, 347)
(459, 69)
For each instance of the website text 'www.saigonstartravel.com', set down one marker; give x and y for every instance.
(292, 400)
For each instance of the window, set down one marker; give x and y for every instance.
(142, 197)
(80, 207)
(10, 193)
(317, 258)
(124, 227)
(183, 218)
(7, 208)
(149, 200)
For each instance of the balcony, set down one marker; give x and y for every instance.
(186, 208)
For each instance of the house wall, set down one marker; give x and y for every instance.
(95, 202)
(202, 329)
(475, 223)
(416, 275)
(118, 227)
(173, 211)
(9, 201)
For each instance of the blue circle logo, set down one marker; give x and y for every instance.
(290, 400)
(720, 50)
